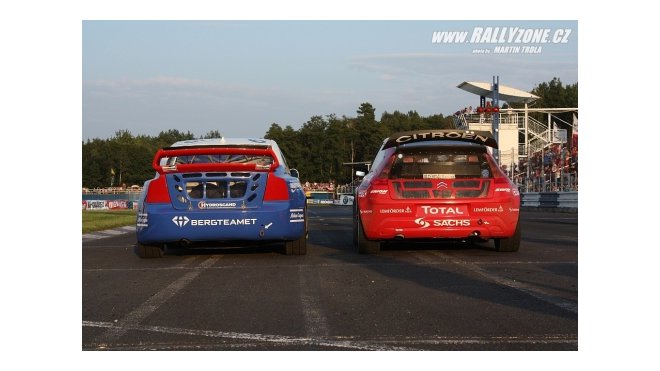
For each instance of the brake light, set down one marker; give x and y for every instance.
(379, 182)
(276, 189)
(157, 192)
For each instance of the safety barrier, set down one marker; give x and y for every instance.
(550, 201)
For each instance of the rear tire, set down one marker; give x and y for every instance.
(148, 251)
(364, 245)
(297, 247)
(510, 244)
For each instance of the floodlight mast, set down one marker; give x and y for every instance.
(496, 116)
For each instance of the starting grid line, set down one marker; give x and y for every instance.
(108, 233)
(378, 344)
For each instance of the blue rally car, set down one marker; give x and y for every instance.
(216, 191)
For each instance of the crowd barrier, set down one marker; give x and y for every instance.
(551, 201)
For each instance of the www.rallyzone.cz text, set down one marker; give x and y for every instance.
(512, 35)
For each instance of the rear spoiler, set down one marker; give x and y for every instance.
(480, 137)
(206, 150)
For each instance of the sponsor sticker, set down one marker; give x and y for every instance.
(407, 210)
(142, 220)
(379, 191)
(182, 221)
(454, 210)
(297, 215)
(442, 223)
(222, 222)
(439, 176)
(216, 205)
(488, 209)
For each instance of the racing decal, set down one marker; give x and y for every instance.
(516, 192)
(480, 137)
(502, 189)
(216, 205)
(180, 220)
(379, 191)
(297, 215)
(222, 222)
(514, 210)
(442, 223)
(439, 176)
(421, 222)
(488, 209)
(443, 210)
(362, 193)
(294, 186)
(262, 167)
(142, 220)
(407, 210)
(368, 211)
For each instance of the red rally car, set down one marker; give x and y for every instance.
(436, 184)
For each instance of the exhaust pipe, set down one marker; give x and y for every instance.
(399, 237)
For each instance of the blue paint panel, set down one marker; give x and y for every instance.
(273, 221)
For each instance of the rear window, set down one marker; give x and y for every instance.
(440, 163)
(219, 159)
(216, 189)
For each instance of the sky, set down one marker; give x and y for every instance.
(239, 77)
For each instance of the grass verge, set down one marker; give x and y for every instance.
(106, 219)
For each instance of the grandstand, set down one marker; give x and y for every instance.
(539, 156)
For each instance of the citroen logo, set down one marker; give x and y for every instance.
(180, 220)
(442, 185)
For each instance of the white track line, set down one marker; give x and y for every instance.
(346, 342)
(316, 325)
(134, 318)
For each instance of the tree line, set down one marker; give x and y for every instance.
(318, 149)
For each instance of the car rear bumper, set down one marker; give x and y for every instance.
(273, 221)
(498, 221)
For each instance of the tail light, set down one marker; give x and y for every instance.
(157, 192)
(276, 189)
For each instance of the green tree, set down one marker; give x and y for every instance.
(212, 134)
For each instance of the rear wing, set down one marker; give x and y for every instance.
(172, 152)
(480, 137)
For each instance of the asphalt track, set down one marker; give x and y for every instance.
(441, 296)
